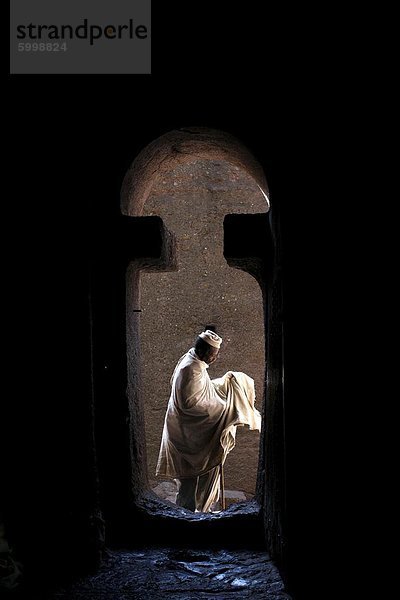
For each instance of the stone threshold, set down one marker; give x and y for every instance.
(153, 505)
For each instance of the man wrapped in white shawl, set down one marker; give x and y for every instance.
(200, 423)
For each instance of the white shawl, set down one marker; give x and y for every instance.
(202, 416)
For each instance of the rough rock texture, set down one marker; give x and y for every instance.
(180, 147)
(193, 200)
(152, 574)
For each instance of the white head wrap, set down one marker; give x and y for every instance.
(211, 338)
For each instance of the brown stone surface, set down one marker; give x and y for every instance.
(192, 200)
(180, 147)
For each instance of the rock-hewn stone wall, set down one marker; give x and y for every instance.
(193, 200)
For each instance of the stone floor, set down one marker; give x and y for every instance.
(159, 574)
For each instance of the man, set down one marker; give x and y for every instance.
(200, 423)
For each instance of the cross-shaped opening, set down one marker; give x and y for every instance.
(204, 292)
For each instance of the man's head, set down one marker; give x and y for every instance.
(207, 346)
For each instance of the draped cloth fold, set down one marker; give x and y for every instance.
(200, 423)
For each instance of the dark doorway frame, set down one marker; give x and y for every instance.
(145, 243)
